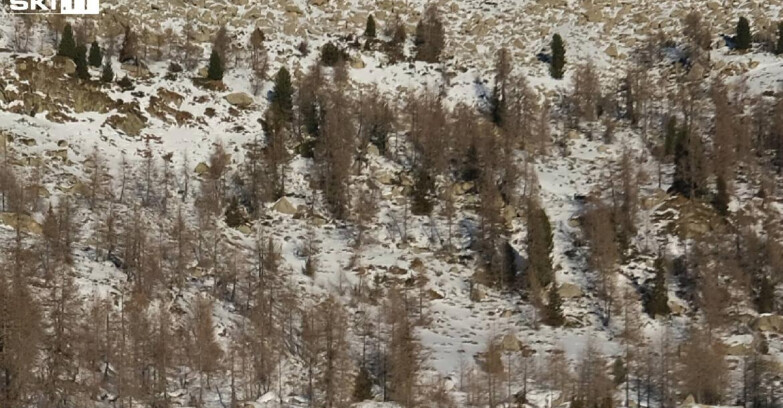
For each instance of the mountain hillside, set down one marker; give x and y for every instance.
(333, 203)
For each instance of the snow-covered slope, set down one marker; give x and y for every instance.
(49, 137)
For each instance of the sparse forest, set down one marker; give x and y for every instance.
(253, 216)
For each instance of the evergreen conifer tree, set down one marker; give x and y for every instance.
(721, 200)
(81, 63)
(766, 298)
(470, 167)
(658, 300)
(282, 103)
(430, 35)
(67, 47)
(96, 56)
(107, 75)
(369, 31)
(362, 386)
(557, 67)
(554, 308)
(539, 245)
(779, 44)
(743, 38)
(330, 54)
(215, 69)
(422, 189)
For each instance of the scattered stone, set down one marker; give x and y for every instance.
(418, 265)
(396, 270)
(433, 294)
(569, 291)
(462, 188)
(478, 293)
(385, 178)
(676, 308)
(357, 63)
(27, 141)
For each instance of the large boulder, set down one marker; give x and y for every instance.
(357, 63)
(510, 343)
(239, 99)
(569, 291)
(769, 323)
(136, 70)
(65, 64)
(284, 206)
(385, 178)
(478, 293)
(462, 188)
(23, 222)
(201, 169)
(129, 123)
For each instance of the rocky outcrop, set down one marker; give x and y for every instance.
(129, 123)
(23, 222)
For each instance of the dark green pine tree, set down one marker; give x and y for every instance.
(423, 184)
(554, 307)
(721, 200)
(309, 267)
(509, 265)
(81, 63)
(282, 93)
(330, 54)
(369, 31)
(779, 44)
(67, 47)
(234, 216)
(362, 386)
(743, 38)
(96, 56)
(766, 298)
(557, 68)
(670, 135)
(215, 69)
(107, 75)
(539, 245)
(657, 303)
(470, 166)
